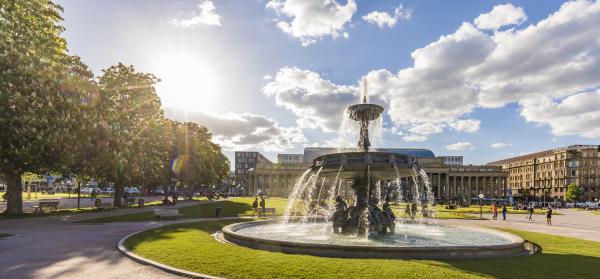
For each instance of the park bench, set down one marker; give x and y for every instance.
(47, 204)
(105, 205)
(260, 211)
(161, 213)
(129, 201)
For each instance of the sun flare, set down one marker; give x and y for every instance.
(187, 82)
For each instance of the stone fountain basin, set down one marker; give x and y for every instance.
(381, 164)
(512, 245)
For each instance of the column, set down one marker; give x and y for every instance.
(439, 182)
(447, 180)
(477, 185)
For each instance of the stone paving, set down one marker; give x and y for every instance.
(54, 247)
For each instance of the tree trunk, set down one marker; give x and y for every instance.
(118, 196)
(14, 194)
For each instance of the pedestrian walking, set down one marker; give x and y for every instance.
(530, 212)
(495, 211)
(549, 216)
(262, 204)
(504, 211)
(255, 206)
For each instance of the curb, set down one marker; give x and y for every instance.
(167, 268)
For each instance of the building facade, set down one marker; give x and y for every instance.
(546, 174)
(448, 182)
(244, 161)
(452, 160)
(290, 158)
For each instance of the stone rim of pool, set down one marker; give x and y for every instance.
(515, 246)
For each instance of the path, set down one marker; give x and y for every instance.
(571, 223)
(54, 247)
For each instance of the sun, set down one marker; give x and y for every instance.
(188, 81)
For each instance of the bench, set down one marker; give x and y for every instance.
(260, 211)
(129, 201)
(161, 214)
(105, 206)
(47, 204)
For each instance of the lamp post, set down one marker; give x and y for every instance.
(481, 206)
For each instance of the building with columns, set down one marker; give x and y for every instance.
(448, 181)
(546, 174)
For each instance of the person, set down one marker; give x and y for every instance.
(549, 216)
(262, 204)
(255, 206)
(530, 212)
(495, 211)
(504, 211)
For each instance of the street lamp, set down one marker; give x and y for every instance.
(481, 206)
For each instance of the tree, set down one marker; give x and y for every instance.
(130, 128)
(574, 192)
(196, 160)
(40, 96)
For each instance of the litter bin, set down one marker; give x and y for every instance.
(141, 202)
(97, 202)
(218, 212)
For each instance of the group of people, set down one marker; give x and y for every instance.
(529, 217)
(262, 205)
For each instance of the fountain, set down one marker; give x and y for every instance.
(342, 206)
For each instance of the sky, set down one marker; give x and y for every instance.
(483, 79)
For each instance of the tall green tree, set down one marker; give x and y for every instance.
(574, 192)
(40, 93)
(197, 161)
(129, 141)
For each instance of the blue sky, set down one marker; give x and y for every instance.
(275, 76)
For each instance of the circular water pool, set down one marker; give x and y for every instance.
(410, 240)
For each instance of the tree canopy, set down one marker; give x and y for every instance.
(56, 116)
(574, 192)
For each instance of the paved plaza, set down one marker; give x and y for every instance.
(55, 247)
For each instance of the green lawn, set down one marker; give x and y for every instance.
(191, 247)
(233, 207)
(3, 235)
(46, 196)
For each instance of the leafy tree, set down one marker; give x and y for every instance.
(130, 128)
(574, 192)
(40, 97)
(197, 161)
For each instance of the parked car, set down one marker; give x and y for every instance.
(132, 190)
(87, 190)
(109, 191)
(158, 192)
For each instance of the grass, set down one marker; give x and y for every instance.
(3, 235)
(59, 212)
(233, 207)
(191, 247)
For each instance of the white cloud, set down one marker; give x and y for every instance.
(499, 145)
(243, 131)
(578, 114)
(463, 145)
(382, 19)
(318, 103)
(501, 15)
(205, 16)
(414, 137)
(468, 125)
(267, 77)
(310, 20)
(543, 67)
(427, 129)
